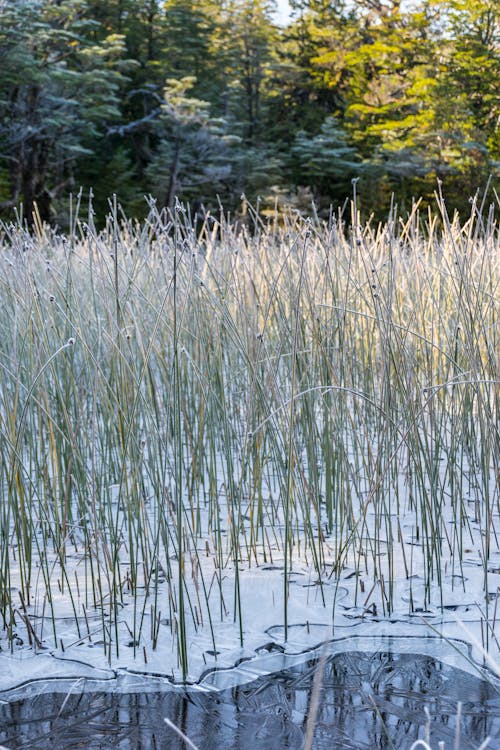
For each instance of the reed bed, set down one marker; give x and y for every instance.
(182, 401)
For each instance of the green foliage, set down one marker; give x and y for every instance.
(396, 94)
(59, 91)
(326, 161)
(192, 159)
(95, 175)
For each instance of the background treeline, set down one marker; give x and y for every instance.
(210, 99)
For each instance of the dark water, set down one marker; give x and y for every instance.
(366, 701)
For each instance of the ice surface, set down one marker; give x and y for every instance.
(346, 619)
(105, 647)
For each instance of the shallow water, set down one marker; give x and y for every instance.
(366, 701)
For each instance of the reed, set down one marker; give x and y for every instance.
(173, 394)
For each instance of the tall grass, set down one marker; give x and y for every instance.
(172, 392)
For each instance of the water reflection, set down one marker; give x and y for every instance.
(366, 701)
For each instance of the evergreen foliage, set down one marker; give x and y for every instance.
(210, 99)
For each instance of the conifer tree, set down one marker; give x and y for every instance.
(58, 91)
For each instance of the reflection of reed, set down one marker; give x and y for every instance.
(362, 701)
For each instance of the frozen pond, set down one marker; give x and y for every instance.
(366, 700)
(218, 453)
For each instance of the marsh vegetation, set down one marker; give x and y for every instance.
(211, 429)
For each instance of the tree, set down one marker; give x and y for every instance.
(395, 70)
(57, 93)
(300, 99)
(325, 162)
(467, 122)
(193, 154)
(247, 40)
(397, 93)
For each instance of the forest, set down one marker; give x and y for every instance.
(207, 101)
